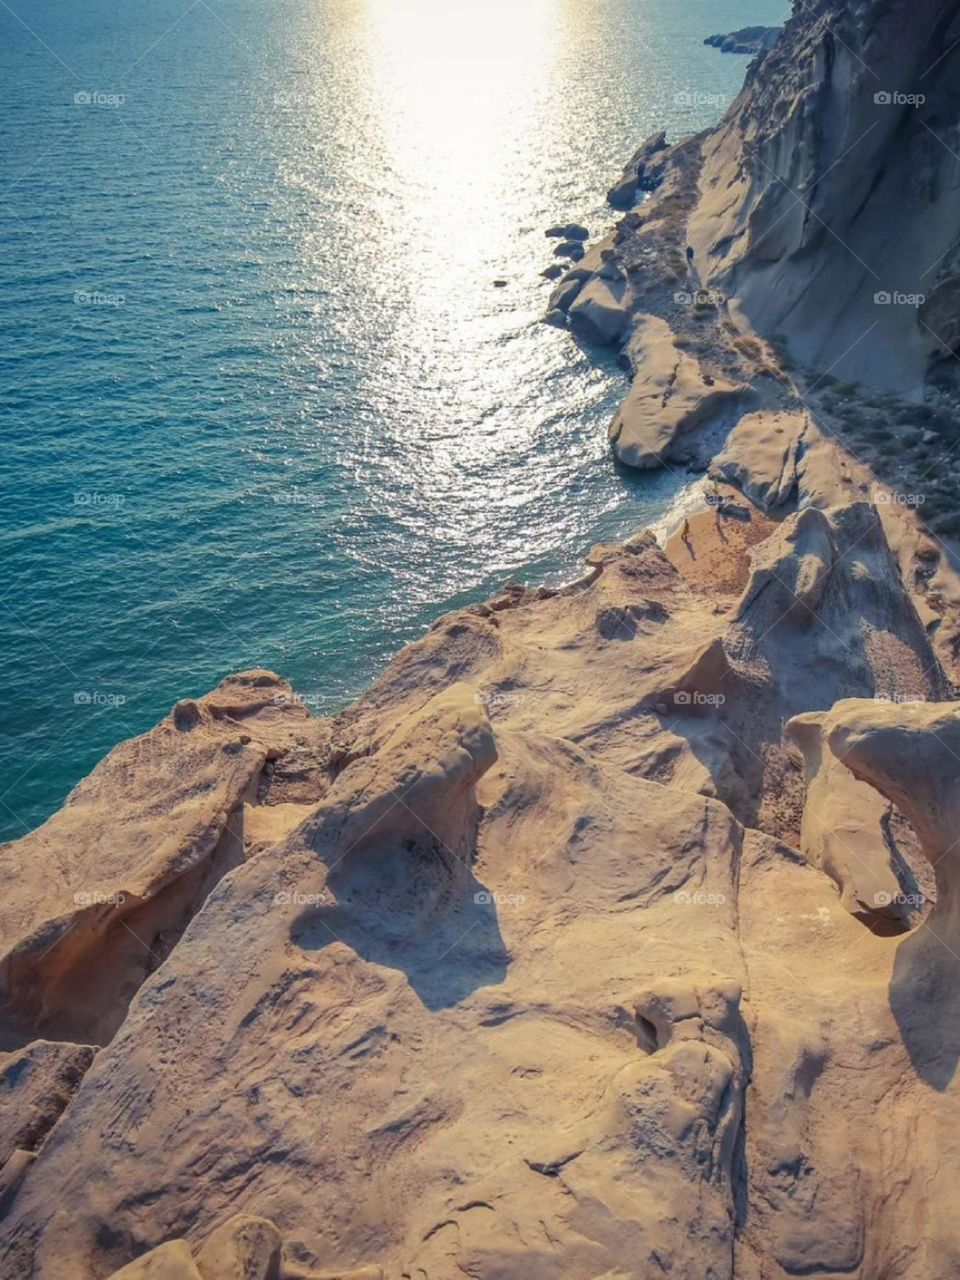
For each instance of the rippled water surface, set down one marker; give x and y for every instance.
(261, 402)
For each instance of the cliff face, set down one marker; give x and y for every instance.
(829, 207)
(526, 967)
(614, 932)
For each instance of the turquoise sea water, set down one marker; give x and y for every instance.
(261, 403)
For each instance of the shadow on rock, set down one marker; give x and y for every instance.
(925, 1000)
(402, 908)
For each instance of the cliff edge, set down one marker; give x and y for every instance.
(613, 933)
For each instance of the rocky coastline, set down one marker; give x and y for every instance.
(612, 932)
(746, 40)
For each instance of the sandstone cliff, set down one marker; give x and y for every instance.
(533, 962)
(614, 931)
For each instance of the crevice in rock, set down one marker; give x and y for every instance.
(552, 1168)
(646, 1033)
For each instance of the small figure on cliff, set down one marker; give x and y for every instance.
(690, 253)
(685, 531)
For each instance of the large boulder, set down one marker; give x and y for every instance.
(846, 831)
(170, 1261)
(668, 399)
(243, 1248)
(760, 457)
(567, 231)
(600, 310)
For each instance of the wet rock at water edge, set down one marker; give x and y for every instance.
(567, 231)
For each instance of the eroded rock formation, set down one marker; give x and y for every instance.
(827, 209)
(614, 931)
(536, 984)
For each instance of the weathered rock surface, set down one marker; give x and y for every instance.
(599, 309)
(543, 895)
(614, 932)
(97, 894)
(827, 206)
(36, 1083)
(170, 1261)
(668, 399)
(848, 833)
(761, 457)
(243, 1248)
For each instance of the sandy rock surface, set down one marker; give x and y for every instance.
(668, 398)
(615, 931)
(519, 994)
(98, 893)
(761, 455)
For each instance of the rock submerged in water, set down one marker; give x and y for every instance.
(570, 249)
(567, 231)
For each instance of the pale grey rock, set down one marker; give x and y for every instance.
(827, 207)
(600, 310)
(760, 457)
(668, 400)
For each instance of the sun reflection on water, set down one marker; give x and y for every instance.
(308, 221)
(458, 84)
(457, 91)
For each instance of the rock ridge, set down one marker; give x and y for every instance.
(614, 931)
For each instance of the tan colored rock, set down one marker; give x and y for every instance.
(293, 1272)
(388, 924)
(243, 1248)
(36, 1084)
(96, 893)
(538, 988)
(171, 1261)
(760, 457)
(844, 832)
(668, 399)
(12, 1173)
